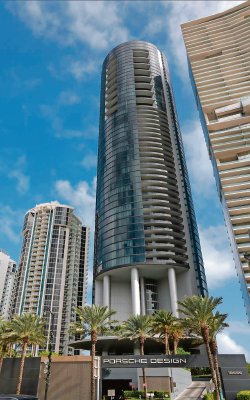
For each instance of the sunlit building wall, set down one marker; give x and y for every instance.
(218, 49)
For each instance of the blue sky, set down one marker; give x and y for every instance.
(51, 56)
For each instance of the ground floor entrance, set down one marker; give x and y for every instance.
(115, 386)
(233, 369)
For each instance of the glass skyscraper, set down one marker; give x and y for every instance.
(147, 248)
(52, 272)
(219, 56)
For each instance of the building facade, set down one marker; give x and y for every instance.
(52, 273)
(8, 269)
(147, 249)
(219, 55)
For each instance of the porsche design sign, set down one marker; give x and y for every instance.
(144, 361)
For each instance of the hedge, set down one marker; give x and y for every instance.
(136, 394)
(243, 395)
(133, 393)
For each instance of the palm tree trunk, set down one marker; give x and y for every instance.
(205, 335)
(10, 349)
(166, 341)
(144, 378)
(4, 348)
(214, 351)
(176, 341)
(33, 351)
(93, 345)
(20, 378)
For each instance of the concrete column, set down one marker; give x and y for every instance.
(173, 291)
(142, 291)
(106, 291)
(98, 292)
(135, 292)
(136, 349)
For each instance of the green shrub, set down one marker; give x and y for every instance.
(180, 350)
(196, 371)
(243, 395)
(209, 396)
(134, 394)
(161, 394)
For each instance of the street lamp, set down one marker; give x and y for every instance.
(51, 336)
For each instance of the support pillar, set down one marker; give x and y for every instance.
(142, 291)
(98, 292)
(106, 291)
(173, 291)
(135, 292)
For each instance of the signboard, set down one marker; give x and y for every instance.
(111, 392)
(234, 372)
(154, 361)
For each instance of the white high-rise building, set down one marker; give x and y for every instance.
(52, 273)
(8, 270)
(218, 49)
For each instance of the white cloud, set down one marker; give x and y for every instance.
(218, 258)
(89, 161)
(23, 181)
(14, 169)
(239, 327)
(81, 197)
(104, 25)
(11, 222)
(199, 164)
(98, 25)
(54, 114)
(68, 98)
(81, 69)
(227, 345)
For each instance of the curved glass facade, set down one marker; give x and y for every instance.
(140, 195)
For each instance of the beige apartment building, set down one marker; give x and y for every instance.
(218, 49)
(53, 269)
(8, 271)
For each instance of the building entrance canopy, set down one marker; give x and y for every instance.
(233, 367)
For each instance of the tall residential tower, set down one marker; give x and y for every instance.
(218, 49)
(147, 249)
(52, 273)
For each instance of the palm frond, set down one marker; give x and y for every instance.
(93, 318)
(136, 327)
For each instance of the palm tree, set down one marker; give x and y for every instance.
(138, 328)
(29, 330)
(217, 325)
(176, 332)
(93, 321)
(162, 324)
(198, 313)
(5, 338)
